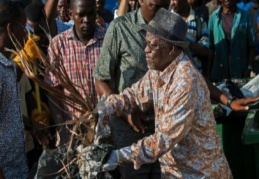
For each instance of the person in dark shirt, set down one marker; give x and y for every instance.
(13, 158)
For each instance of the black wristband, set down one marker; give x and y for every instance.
(230, 100)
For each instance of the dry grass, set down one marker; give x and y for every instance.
(82, 132)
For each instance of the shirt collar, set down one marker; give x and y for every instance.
(5, 61)
(98, 34)
(140, 20)
(219, 10)
(167, 74)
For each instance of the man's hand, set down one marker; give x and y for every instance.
(100, 21)
(42, 117)
(42, 134)
(242, 104)
(40, 120)
(134, 120)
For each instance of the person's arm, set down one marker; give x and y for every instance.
(201, 46)
(58, 115)
(104, 70)
(236, 105)
(39, 120)
(123, 7)
(133, 119)
(102, 87)
(171, 127)
(215, 93)
(107, 63)
(50, 9)
(139, 95)
(50, 12)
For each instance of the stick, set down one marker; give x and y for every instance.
(37, 91)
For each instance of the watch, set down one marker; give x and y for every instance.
(229, 101)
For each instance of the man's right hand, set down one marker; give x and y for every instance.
(134, 120)
(42, 135)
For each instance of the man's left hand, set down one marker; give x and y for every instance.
(243, 104)
(134, 120)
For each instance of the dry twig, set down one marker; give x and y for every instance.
(83, 127)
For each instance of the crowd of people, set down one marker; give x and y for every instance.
(154, 60)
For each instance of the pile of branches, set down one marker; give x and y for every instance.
(72, 159)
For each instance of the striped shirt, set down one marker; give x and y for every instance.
(197, 33)
(78, 59)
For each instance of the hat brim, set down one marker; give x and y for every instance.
(152, 30)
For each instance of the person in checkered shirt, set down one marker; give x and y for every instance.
(79, 48)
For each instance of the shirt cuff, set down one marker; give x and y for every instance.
(124, 155)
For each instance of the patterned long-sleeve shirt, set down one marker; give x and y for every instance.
(185, 139)
(12, 149)
(78, 59)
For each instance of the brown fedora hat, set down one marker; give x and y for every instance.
(168, 26)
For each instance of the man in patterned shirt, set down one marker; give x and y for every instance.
(185, 139)
(120, 64)
(12, 150)
(79, 49)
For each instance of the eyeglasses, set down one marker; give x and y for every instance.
(154, 47)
